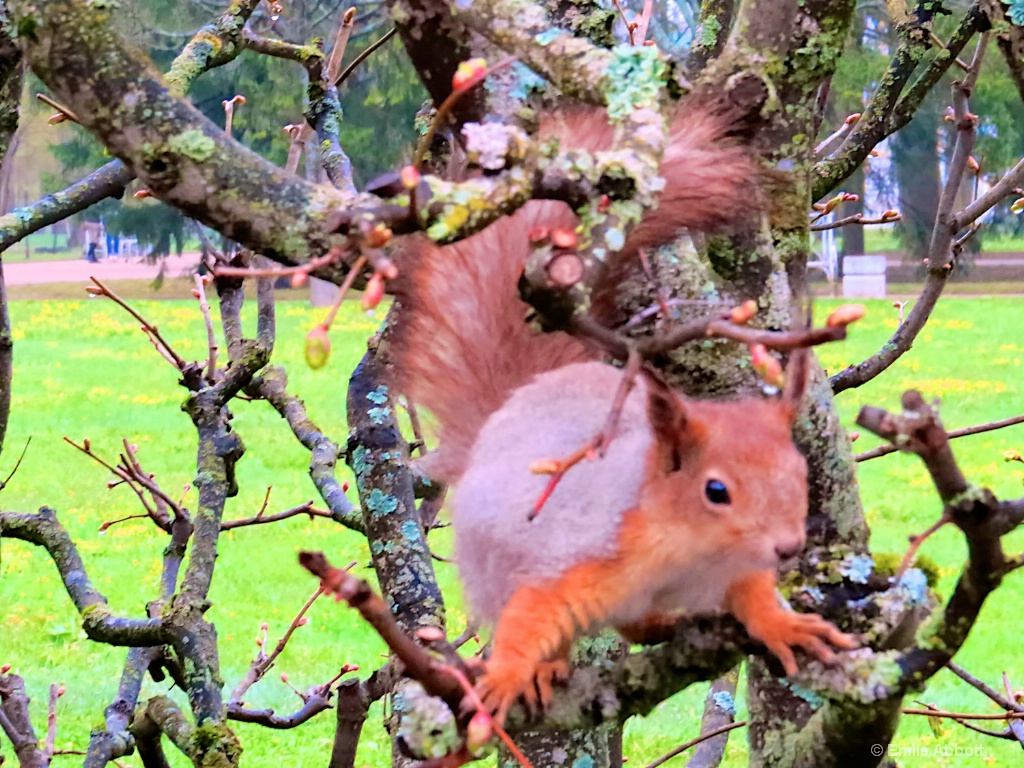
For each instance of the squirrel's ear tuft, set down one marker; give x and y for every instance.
(673, 427)
(797, 373)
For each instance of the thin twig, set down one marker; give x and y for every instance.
(917, 541)
(343, 290)
(211, 337)
(148, 328)
(16, 464)
(645, 21)
(1004, 734)
(51, 721)
(65, 113)
(597, 446)
(341, 38)
(263, 661)
(260, 519)
(364, 55)
(889, 217)
(694, 742)
(985, 688)
(964, 715)
(885, 450)
(330, 257)
(449, 103)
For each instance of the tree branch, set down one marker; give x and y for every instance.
(887, 111)
(44, 530)
(179, 155)
(942, 249)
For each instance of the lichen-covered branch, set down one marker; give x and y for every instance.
(44, 530)
(183, 158)
(378, 456)
(353, 705)
(889, 108)
(715, 22)
(1009, 38)
(107, 181)
(943, 248)
(212, 745)
(11, 79)
(114, 740)
(214, 45)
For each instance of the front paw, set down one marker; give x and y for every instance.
(501, 685)
(808, 631)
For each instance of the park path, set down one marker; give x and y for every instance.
(79, 270)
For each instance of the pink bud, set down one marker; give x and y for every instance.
(5, 669)
(564, 238)
(302, 622)
(93, 290)
(545, 466)
(378, 236)
(468, 73)
(854, 436)
(478, 731)
(284, 678)
(409, 176)
(299, 279)
(374, 292)
(845, 314)
(767, 366)
(743, 314)
(264, 626)
(61, 690)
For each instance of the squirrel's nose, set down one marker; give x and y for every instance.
(788, 549)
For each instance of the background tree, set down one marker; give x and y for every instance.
(771, 59)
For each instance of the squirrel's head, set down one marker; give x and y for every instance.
(728, 474)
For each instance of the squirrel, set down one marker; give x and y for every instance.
(694, 504)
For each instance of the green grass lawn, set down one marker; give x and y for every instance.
(83, 369)
(878, 239)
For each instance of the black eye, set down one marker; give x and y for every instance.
(716, 492)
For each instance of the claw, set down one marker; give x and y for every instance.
(809, 632)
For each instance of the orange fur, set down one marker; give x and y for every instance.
(676, 549)
(462, 345)
(631, 539)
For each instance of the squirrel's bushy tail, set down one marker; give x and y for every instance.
(462, 344)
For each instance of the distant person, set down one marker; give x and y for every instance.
(92, 232)
(113, 243)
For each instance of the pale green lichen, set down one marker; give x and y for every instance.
(635, 78)
(193, 144)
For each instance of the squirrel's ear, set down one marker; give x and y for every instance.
(797, 372)
(673, 427)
